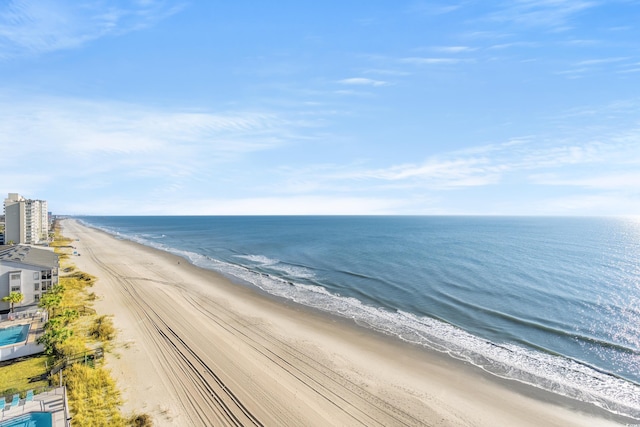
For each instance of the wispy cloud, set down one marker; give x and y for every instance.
(433, 8)
(600, 61)
(552, 14)
(582, 42)
(434, 173)
(561, 156)
(29, 182)
(574, 73)
(588, 204)
(361, 81)
(351, 92)
(609, 180)
(297, 205)
(453, 49)
(526, 159)
(31, 27)
(520, 44)
(629, 70)
(82, 126)
(440, 173)
(110, 141)
(431, 61)
(582, 68)
(387, 72)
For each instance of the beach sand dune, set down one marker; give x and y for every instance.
(194, 349)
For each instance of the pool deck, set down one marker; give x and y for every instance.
(37, 326)
(53, 401)
(36, 321)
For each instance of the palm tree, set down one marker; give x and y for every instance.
(13, 298)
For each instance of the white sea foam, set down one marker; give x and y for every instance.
(259, 259)
(289, 270)
(294, 271)
(153, 236)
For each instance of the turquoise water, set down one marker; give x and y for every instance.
(13, 334)
(552, 302)
(32, 419)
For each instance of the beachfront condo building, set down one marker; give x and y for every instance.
(26, 220)
(27, 270)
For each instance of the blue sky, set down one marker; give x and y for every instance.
(518, 107)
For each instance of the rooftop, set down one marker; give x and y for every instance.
(28, 255)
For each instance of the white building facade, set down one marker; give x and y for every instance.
(26, 220)
(28, 270)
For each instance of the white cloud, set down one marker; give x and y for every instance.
(432, 8)
(361, 81)
(108, 144)
(582, 42)
(445, 170)
(513, 44)
(430, 61)
(40, 26)
(562, 155)
(29, 182)
(453, 49)
(525, 158)
(596, 180)
(296, 205)
(600, 61)
(553, 14)
(350, 92)
(80, 126)
(589, 204)
(387, 72)
(434, 174)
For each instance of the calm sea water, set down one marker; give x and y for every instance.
(553, 302)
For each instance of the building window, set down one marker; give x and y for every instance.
(46, 274)
(46, 285)
(36, 286)
(36, 297)
(15, 288)
(14, 277)
(36, 275)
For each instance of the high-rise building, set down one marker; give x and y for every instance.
(26, 220)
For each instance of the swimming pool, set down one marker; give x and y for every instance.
(13, 334)
(32, 419)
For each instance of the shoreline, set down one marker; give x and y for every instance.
(285, 364)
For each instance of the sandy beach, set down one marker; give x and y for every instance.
(195, 349)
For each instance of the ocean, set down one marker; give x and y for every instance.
(549, 301)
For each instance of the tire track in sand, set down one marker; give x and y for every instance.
(201, 392)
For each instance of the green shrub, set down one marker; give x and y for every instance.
(85, 277)
(53, 338)
(72, 346)
(102, 329)
(141, 420)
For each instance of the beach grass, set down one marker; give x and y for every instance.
(93, 396)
